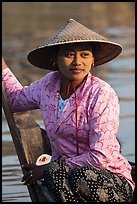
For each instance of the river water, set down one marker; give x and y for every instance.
(26, 25)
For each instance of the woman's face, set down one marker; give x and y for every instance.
(75, 60)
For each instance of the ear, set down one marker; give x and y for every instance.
(92, 65)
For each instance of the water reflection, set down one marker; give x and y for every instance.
(25, 25)
(13, 190)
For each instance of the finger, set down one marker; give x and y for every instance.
(26, 175)
(28, 166)
(32, 180)
(29, 179)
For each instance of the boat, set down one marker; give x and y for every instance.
(31, 141)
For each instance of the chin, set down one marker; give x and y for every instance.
(78, 77)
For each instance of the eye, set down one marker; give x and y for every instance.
(69, 54)
(85, 54)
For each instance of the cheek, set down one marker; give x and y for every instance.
(63, 63)
(89, 64)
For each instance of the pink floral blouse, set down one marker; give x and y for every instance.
(97, 120)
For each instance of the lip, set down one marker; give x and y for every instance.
(75, 70)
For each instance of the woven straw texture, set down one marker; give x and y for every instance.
(73, 32)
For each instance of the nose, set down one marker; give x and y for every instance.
(77, 60)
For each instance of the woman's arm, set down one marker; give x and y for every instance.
(103, 122)
(20, 98)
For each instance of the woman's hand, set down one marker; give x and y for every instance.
(32, 173)
(4, 65)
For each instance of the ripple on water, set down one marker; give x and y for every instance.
(12, 187)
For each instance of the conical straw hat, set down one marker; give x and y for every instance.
(72, 31)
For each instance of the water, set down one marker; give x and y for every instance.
(25, 25)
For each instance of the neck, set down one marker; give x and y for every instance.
(68, 87)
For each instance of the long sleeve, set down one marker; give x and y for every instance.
(104, 122)
(21, 98)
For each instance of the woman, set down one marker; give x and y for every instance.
(81, 117)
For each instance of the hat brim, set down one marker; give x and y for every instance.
(103, 51)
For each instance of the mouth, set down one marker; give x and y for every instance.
(76, 70)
